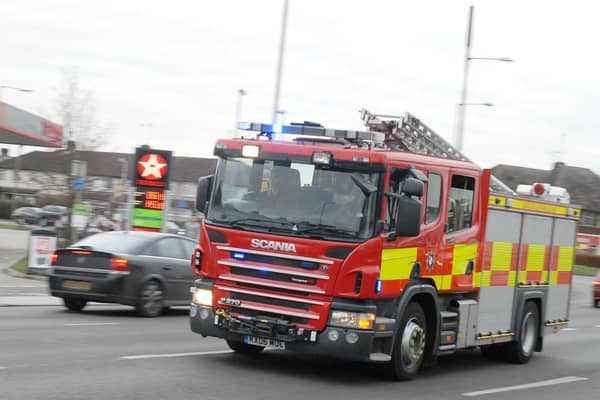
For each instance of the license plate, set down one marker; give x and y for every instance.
(264, 342)
(79, 285)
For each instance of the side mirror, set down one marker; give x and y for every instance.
(203, 192)
(412, 187)
(408, 216)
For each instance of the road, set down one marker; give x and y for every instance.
(106, 352)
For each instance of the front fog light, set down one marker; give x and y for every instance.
(352, 337)
(333, 335)
(204, 313)
(203, 297)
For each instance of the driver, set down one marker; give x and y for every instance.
(284, 187)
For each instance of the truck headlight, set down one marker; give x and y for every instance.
(203, 297)
(348, 319)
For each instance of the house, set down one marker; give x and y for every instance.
(582, 183)
(43, 173)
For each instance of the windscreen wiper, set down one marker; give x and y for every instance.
(249, 222)
(332, 229)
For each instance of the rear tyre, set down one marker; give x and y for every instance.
(243, 348)
(43, 221)
(409, 347)
(596, 303)
(150, 300)
(74, 304)
(521, 350)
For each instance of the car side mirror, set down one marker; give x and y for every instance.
(408, 216)
(203, 193)
(412, 187)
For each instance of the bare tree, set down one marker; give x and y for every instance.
(76, 109)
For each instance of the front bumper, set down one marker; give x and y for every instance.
(349, 344)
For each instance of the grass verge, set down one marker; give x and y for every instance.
(585, 270)
(20, 266)
(14, 226)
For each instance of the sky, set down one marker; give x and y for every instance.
(168, 73)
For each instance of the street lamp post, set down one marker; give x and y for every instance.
(461, 110)
(280, 60)
(238, 108)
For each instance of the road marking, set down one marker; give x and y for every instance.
(93, 324)
(550, 382)
(568, 329)
(21, 286)
(199, 353)
(3, 367)
(596, 326)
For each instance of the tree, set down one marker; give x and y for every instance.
(76, 109)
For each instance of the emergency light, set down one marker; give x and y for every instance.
(311, 130)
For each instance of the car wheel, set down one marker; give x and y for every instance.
(521, 350)
(74, 304)
(150, 300)
(243, 348)
(43, 221)
(597, 303)
(409, 346)
(21, 221)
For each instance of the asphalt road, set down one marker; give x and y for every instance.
(107, 352)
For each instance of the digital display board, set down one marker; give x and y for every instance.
(151, 178)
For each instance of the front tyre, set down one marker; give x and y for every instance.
(409, 347)
(243, 348)
(150, 300)
(521, 350)
(74, 304)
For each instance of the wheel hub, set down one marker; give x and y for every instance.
(413, 343)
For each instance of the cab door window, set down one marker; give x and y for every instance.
(460, 204)
(434, 197)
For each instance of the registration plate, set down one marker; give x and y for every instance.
(79, 285)
(265, 342)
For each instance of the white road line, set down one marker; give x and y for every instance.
(596, 326)
(199, 353)
(550, 382)
(568, 329)
(3, 367)
(93, 324)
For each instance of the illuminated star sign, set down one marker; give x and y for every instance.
(152, 166)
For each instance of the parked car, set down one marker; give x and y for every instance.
(39, 216)
(26, 215)
(146, 270)
(596, 290)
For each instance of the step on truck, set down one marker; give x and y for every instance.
(385, 245)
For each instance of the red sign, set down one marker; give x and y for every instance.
(152, 168)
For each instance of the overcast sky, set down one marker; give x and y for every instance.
(178, 65)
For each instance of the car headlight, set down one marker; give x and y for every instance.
(348, 319)
(203, 297)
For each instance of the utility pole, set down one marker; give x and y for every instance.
(280, 60)
(460, 124)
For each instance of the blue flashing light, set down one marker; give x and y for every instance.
(307, 265)
(238, 256)
(263, 271)
(378, 286)
(245, 126)
(277, 128)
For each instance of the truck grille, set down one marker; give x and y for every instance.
(278, 285)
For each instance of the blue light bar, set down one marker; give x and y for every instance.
(378, 286)
(238, 256)
(309, 130)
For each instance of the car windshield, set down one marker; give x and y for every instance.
(117, 242)
(293, 198)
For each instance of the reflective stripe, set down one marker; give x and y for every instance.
(397, 263)
(502, 253)
(541, 207)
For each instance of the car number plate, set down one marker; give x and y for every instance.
(264, 342)
(80, 285)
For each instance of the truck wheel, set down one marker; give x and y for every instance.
(409, 347)
(74, 304)
(150, 300)
(243, 348)
(521, 350)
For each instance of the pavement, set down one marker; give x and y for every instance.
(18, 289)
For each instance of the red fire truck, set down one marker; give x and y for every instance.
(383, 245)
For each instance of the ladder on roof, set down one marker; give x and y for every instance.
(408, 133)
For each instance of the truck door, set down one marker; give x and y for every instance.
(460, 242)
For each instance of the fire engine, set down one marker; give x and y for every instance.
(384, 245)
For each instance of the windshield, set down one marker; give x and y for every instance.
(118, 242)
(293, 198)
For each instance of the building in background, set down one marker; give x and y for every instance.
(43, 175)
(582, 184)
